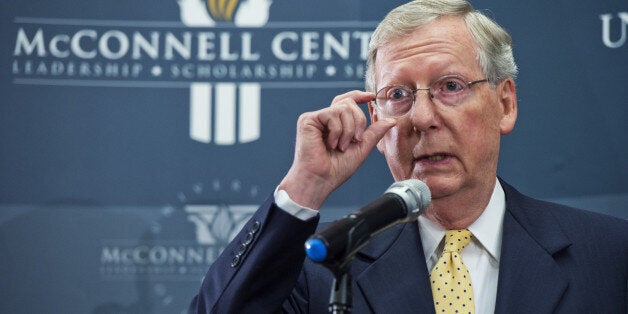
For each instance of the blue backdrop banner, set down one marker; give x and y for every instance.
(139, 136)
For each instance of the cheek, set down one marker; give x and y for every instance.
(479, 133)
(482, 118)
(388, 144)
(397, 148)
(397, 140)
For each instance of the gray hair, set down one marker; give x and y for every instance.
(494, 52)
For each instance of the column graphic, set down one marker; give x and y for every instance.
(225, 113)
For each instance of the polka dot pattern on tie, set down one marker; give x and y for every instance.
(451, 282)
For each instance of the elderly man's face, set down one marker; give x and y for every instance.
(451, 148)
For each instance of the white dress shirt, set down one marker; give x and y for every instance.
(481, 256)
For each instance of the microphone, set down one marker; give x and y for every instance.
(403, 201)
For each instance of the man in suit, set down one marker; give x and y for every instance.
(441, 93)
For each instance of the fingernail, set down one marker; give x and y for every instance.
(358, 136)
(335, 144)
(344, 146)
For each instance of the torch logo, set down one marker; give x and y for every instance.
(225, 113)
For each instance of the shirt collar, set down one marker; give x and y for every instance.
(487, 229)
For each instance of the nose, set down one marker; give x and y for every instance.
(424, 115)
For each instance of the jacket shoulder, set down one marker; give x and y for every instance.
(579, 225)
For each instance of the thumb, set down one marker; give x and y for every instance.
(377, 130)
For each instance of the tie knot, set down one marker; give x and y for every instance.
(456, 240)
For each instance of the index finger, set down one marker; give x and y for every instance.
(358, 96)
(351, 100)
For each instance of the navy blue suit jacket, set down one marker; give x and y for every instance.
(554, 259)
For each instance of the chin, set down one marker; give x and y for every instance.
(441, 187)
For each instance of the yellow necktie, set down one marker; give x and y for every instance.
(451, 282)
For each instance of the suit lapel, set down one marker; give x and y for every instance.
(530, 280)
(392, 276)
(397, 280)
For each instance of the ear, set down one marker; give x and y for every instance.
(508, 100)
(374, 118)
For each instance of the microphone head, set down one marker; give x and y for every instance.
(316, 249)
(415, 194)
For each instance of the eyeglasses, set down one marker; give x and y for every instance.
(397, 100)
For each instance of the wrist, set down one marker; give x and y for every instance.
(306, 191)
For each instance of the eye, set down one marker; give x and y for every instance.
(394, 101)
(397, 93)
(450, 85)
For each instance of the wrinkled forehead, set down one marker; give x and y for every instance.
(443, 43)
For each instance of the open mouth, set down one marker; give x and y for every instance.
(433, 157)
(436, 157)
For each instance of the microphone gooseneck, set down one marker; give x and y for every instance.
(403, 201)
